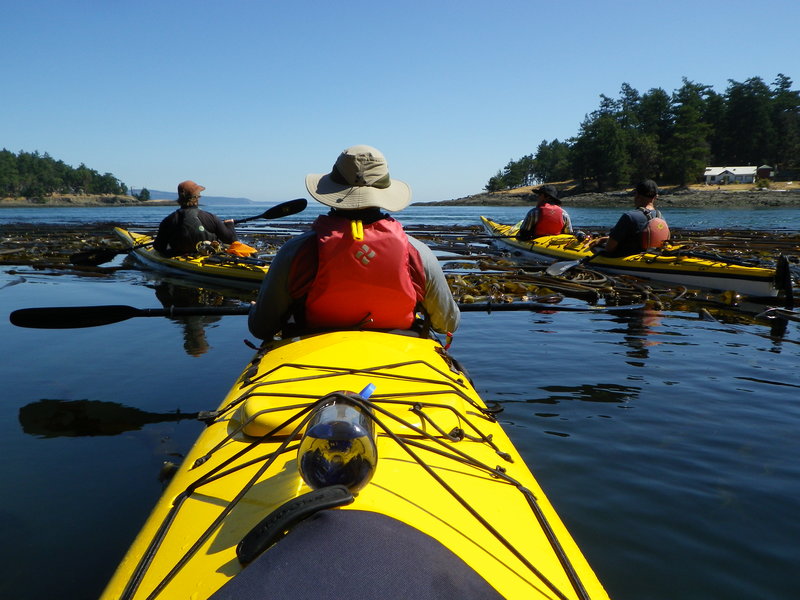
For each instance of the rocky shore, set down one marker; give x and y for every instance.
(683, 198)
(696, 198)
(80, 200)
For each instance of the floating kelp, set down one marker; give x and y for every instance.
(474, 269)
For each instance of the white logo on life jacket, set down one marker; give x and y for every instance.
(364, 254)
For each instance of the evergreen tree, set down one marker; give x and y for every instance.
(714, 116)
(9, 175)
(599, 152)
(687, 151)
(643, 154)
(749, 132)
(786, 121)
(629, 107)
(495, 183)
(551, 162)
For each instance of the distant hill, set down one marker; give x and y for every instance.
(161, 195)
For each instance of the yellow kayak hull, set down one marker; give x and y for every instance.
(222, 269)
(669, 267)
(470, 491)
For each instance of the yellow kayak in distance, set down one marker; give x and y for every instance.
(218, 268)
(668, 265)
(305, 478)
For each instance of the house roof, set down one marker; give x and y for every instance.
(715, 171)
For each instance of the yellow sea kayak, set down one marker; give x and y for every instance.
(669, 264)
(219, 268)
(304, 485)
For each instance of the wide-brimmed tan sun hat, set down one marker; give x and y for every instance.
(359, 179)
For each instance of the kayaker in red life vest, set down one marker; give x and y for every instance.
(547, 217)
(356, 268)
(180, 232)
(638, 229)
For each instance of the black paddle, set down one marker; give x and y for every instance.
(73, 317)
(99, 256)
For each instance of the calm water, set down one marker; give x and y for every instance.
(762, 218)
(668, 444)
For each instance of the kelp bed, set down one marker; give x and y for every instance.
(476, 271)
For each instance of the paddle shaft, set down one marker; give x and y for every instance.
(74, 317)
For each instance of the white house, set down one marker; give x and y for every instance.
(717, 175)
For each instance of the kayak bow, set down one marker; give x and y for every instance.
(444, 505)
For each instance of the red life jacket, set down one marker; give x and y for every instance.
(551, 220)
(373, 282)
(655, 232)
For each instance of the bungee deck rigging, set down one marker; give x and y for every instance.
(418, 408)
(444, 467)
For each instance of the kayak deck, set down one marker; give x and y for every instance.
(669, 264)
(216, 268)
(445, 468)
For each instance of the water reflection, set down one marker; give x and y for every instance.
(641, 327)
(750, 314)
(170, 292)
(71, 418)
(598, 392)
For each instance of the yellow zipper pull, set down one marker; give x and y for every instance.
(357, 229)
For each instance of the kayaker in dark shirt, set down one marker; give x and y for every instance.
(638, 229)
(180, 232)
(356, 268)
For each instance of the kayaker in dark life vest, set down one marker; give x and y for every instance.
(638, 229)
(356, 268)
(547, 217)
(180, 232)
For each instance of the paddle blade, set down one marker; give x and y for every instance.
(71, 317)
(292, 207)
(559, 268)
(284, 209)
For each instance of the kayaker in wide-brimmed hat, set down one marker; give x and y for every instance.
(180, 232)
(357, 268)
(547, 217)
(359, 179)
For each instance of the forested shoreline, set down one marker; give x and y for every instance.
(670, 138)
(34, 175)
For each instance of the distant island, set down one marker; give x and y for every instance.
(30, 179)
(699, 196)
(158, 198)
(784, 194)
(693, 196)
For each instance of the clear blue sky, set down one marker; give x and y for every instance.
(247, 96)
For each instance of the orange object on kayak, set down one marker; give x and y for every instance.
(240, 249)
